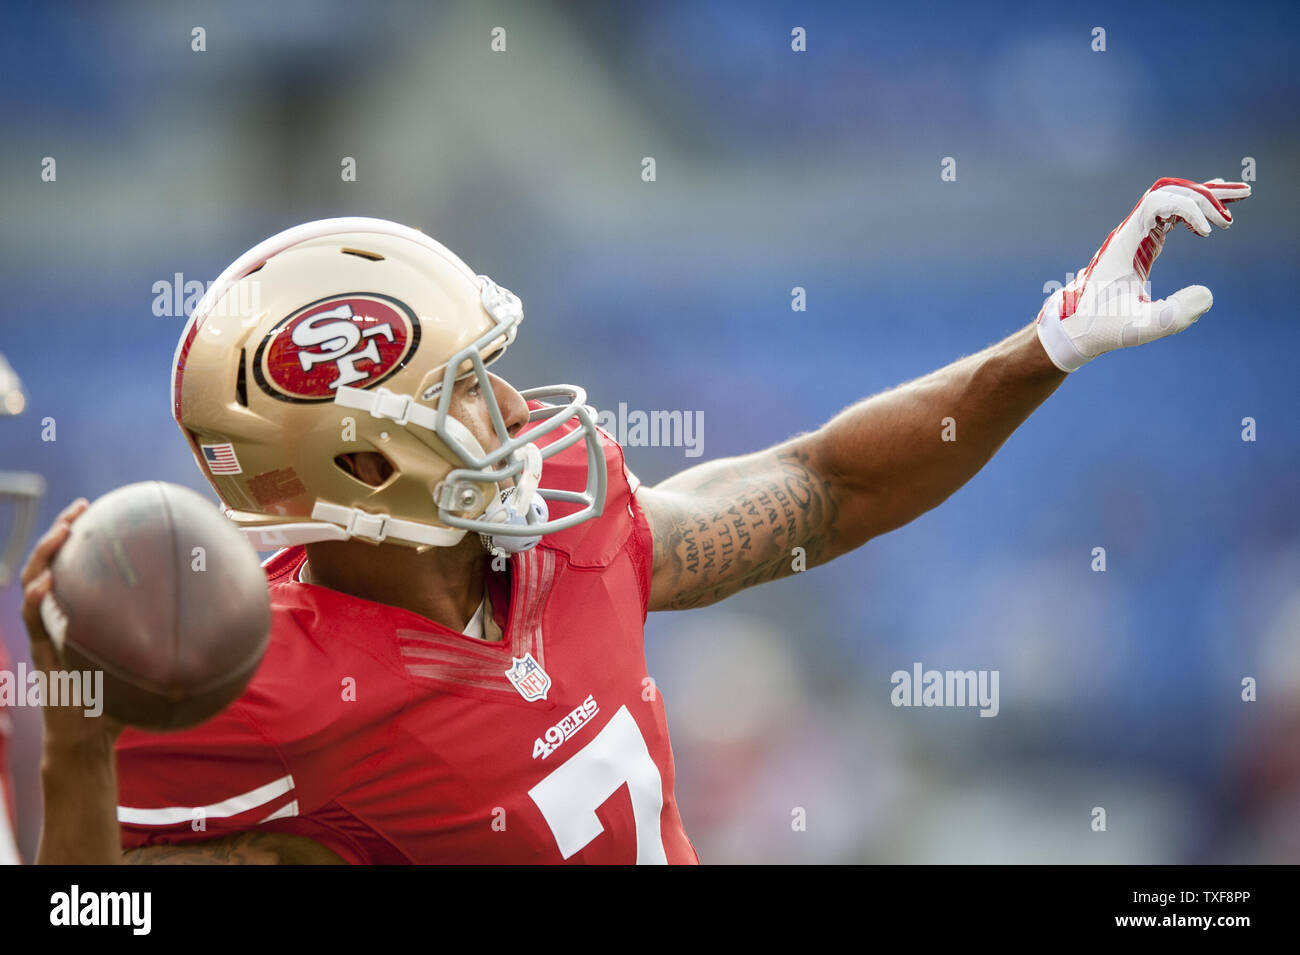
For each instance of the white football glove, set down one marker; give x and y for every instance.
(1108, 305)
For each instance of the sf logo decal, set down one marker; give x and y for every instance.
(357, 339)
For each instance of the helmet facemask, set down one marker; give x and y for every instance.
(502, 487)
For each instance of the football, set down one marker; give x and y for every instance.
(156, 589)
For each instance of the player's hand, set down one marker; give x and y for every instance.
(1108, 305)
(63, 724)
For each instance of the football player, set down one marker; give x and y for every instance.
(456, 670)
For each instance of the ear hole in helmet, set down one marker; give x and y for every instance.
(241, 380)
(372, 256)
(369, 467)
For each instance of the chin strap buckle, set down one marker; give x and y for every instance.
(372, 527)
(382, 403)
(388, 404)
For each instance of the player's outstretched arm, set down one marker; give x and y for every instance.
(727, 525)
(730, 524)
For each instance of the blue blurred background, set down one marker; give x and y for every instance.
(774, 169)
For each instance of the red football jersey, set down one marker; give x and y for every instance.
(392, 739)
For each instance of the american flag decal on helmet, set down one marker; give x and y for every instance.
(220, 458)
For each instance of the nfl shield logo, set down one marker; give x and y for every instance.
(529, 678)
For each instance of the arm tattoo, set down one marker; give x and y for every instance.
(737, 523)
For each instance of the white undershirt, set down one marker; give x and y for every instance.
(472, 629)
(475, 626)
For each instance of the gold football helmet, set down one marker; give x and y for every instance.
(348, 335)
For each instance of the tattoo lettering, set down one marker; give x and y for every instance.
(737, 525)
